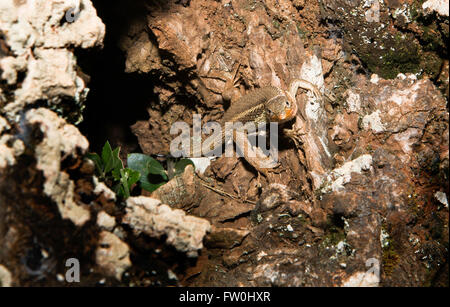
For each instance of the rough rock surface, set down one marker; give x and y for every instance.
(52, 207)
(149, 216)
(112, 254)
(38, 65)
(58, 140)
(5, 277)
(356, 191)
(360, 197)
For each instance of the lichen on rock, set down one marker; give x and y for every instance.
(59, 141)
(147, 215)
(38, 35)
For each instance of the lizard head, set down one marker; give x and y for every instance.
(281, 108)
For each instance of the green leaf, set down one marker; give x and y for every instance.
(116, 174)
(132, 176)
(128, 177)
(111, 160)
(152, 186)
(117, 163)
(181, 165)
(147, 166)
(107, 157)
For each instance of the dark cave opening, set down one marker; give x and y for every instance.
(116, 99)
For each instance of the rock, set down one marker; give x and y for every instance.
(101, 188)
(442, 198)
(273, 196)
(235, 256)
(59, 140)
(40, 152)
(439, 6)
(342, 175)
(5, 277)
(364, 178)
(362, 279)
(388, 51)
(181, 192)
(149, 216)
(225, 238)
(105, 221)
(112, 255)
(38, 33)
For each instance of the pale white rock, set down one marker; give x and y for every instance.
(401, 76)
(405, 96)
(342, 175)
(50, 75)
(266, 271)
(59, 140)
(8, 154)
(171, 275)
(373, 121)
(438, 6)
(312, 71)
(112, 255)
(5, 277)
(105, 221)
(408, 138)
(362, 279)
(3, 124)
(38, 33)
(100, 188)
(261, 255)
(149, 216)
(10, 66)
(353, 102)
(442, 198)
(374, 78)
(316, 140)
(411, 76)
(47, 24)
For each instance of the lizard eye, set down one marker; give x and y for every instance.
(288, 104)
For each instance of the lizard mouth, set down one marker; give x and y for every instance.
(288, 114)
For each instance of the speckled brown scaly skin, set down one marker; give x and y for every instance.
(263, 105)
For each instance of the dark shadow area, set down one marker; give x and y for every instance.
(116, 99)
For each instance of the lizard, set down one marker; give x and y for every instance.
(262, 105)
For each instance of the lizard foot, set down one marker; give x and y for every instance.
(296, 135)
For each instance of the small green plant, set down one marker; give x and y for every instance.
(153, 174)
(143, 170)
(109, 168)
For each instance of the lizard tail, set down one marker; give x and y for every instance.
(295, 84)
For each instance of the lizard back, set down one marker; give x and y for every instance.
(248, 107)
